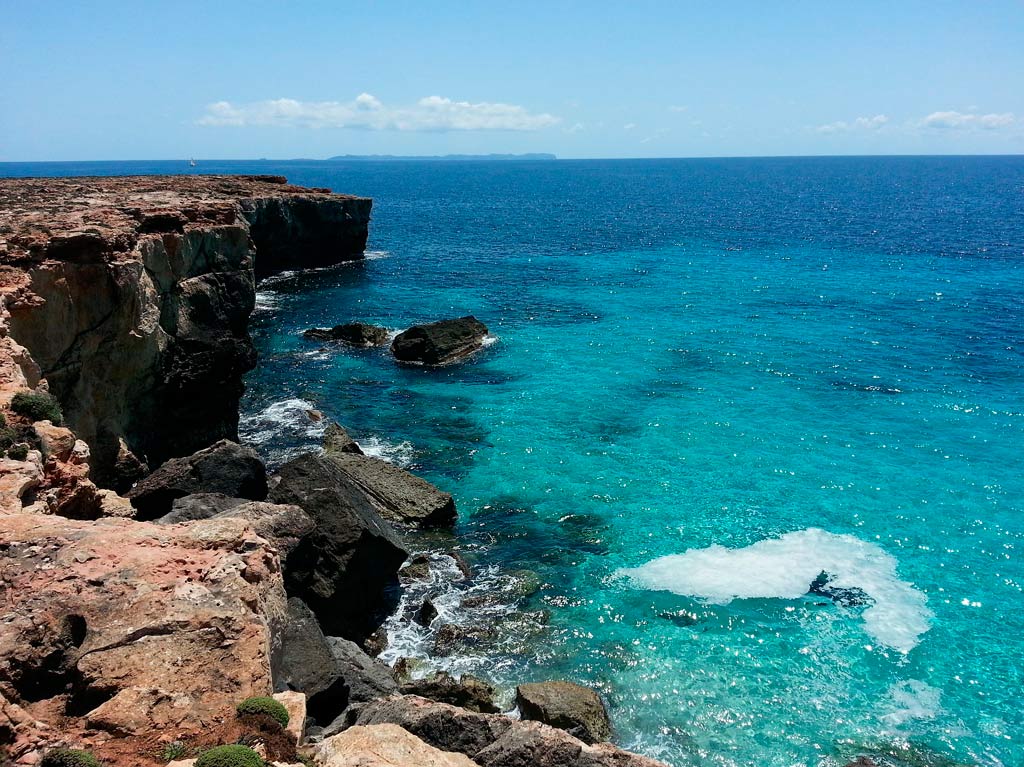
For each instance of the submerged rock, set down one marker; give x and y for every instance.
(225, 467)
(467, 692)
(352, 333)
(341, 569)
(438, 343)
(845, 597)
(532, 744)
(397, 495)
(571, 707)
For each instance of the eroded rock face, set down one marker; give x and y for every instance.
(468, 692)
(439, 343)
(344, 567)
(532, 744)
(383, 745)
(565, 705)
(132, 297)
(226, 468)
(398, 495)
(127, 628)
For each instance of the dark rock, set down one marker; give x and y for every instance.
(337, 440)
(285, 526)
(333, 672)
(352, 333)
(397, 495)
(443, 726)
(468, 692)
(426, 613)
(532, 744)
(367, 678)
(126, 470)
(418, 569)
(198, 506)
(845, 597)
(225, 467)
(376, 643)
(441, 342)
(567, 706)
(343, 568)
(461, 563)
(451, 637)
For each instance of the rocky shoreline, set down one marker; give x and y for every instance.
(153, 576)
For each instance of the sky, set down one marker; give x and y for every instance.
(90, 80)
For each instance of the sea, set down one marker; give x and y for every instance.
(743, 451)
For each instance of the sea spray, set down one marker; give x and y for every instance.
(785, 568)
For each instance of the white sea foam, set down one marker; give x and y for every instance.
(375, 255)
(912, 699)
(399, 453)
(288, 422)
(784, 568)
(489, 339)
(267, 300)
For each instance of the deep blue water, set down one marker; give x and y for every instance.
(712, 380)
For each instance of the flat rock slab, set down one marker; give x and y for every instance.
(384, 745)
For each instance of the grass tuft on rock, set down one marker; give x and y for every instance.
(229, 756)
(37, 406)
(69, 757)
(265, 706)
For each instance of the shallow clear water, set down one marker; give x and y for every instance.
(713, 380)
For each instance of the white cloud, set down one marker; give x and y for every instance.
(576, 128)
(861, 123)
(629, 126)
(433, 113)
(675, 108)
(967, 120)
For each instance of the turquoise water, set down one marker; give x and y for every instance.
(712, 381)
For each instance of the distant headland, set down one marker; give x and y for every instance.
(443, 157)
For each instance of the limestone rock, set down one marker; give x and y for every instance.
(397, 495)
(134, 626)
(337, 440)
(295, 704)
(383, 745)
(532, 744)
(225, 467)
(468, 692)
(565, 705)
(352, 333)
(342, 568)
(439, 343)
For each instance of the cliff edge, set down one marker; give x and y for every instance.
(130, 297)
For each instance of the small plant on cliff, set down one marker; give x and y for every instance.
(69, 757)
(18, 452)
(38, 406)
(173, 750)
(229, 756)
(265, 706)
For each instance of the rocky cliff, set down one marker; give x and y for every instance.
(131, 297)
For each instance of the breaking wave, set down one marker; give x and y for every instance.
(785, 568)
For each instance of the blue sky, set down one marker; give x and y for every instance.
(153, 80)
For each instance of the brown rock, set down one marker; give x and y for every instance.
(383, 745)
(295, 703)
(468, 692)
(565, 705)
(532, 744)
(440, 343)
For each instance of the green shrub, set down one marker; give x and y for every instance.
(266, 706)
(18, 452)
(8, 437)
(229, 756)
(173, 750)
(38, 406)
(69, 757)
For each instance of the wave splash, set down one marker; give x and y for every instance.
(786, 567)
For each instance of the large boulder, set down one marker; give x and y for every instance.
(439, 343)
(383, 745)
(492, 740)
(331, 671)
(396, 494)
(351, 333)
(133, 628)
(225, 467)
(468, 692)
(189, 508)
(344, 567)
(565, 705)
(532, 744)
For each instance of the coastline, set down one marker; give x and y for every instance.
(132, 367)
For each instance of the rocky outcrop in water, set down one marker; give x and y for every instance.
(353, 334)
(132, 295)
(571, 707)
(440, 343)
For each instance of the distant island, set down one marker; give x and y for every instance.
(443, 157)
